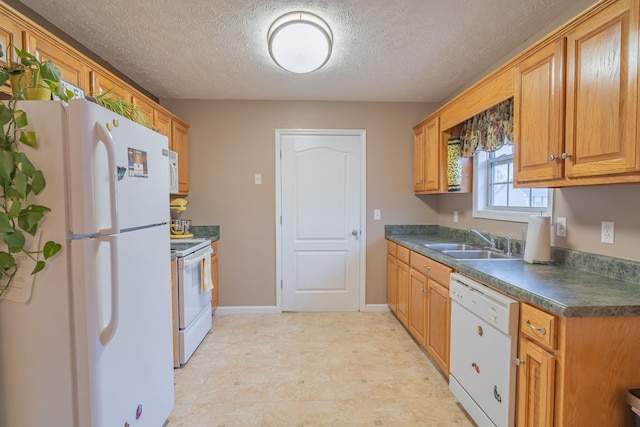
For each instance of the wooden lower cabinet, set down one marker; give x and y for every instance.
(402, 311)
(392, 283)
(214, 276)
(418, 305)
(422, 303)
(536, 375)
(575, 371)
(438, 325)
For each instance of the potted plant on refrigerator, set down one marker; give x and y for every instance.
(20, 178)
(32, 79)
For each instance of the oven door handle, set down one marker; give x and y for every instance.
(196, 259)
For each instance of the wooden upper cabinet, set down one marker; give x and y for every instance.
(101, 83)
(539, 115)
(179, 142)
(602, 93)
(162, 122)
(145, 108)
(426, 156)
(418, 159)
(72, 69)
(10, 37)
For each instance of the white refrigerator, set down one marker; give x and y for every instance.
(87, 342)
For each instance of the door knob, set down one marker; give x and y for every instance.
(354, 233)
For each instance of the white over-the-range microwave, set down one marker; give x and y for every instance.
(173, 171)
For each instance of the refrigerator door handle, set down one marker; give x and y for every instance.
(104, 136)
(107, 333)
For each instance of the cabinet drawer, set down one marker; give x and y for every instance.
(403, 254)
(433, 269)
(391, 248)
(538, 325)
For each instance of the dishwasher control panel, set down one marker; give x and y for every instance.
(495, 308)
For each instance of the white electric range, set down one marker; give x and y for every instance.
(192, 301)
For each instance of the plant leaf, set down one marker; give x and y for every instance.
(6, 114)
(20, 183)
(21, 119)
(14, 240)
(6, 261)
(16, 207)
(24, 164)
(29, 138)
(38, 267)
(5, 224)
(37, 182)
(7, 166)
(50, 249)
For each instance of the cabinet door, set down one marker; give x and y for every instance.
(602, 93)
(538, 111)
(438, 325)
(72, 69)
(403, 294)
(432, 155)
(214, 276)
(180, 144)
(101, 83)
(162, 122)
(418, 160)
(536, 386)
(10, 37)
(392, 282)
(145, 108)
(418, 305)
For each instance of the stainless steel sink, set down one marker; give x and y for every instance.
(478, 254)
(451, 246)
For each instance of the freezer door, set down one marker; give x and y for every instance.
(118, 170)
(122, 306)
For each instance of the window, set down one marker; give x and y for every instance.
(493, 194)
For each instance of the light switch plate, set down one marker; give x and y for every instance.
(258, 178)
(376, 214)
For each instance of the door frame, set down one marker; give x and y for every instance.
(279, 133)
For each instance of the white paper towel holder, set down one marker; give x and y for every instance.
(537, 248)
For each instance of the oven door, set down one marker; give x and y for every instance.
(191, 299)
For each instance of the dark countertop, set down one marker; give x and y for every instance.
(211, 232)
(562, 290)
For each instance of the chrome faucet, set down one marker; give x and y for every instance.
(487, 237)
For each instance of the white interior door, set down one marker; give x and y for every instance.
(322, 194)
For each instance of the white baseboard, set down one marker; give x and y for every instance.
(376, 307)
(249, 309)
(268, 309)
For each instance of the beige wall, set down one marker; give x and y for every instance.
(231, 141)
(584, 207)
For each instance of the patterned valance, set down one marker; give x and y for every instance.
(488, 130)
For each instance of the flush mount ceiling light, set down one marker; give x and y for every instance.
(300, 42)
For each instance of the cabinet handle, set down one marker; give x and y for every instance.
(541, 330)
(565, 156)
(552, 158)
(426, 267)
(519, 362)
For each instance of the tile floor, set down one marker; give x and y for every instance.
(304, 370)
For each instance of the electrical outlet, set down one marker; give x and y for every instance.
(455, 216)
(561, 227)
(608, 232)
(376, 214)
(258, 178)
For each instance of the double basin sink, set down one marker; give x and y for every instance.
(467, 251)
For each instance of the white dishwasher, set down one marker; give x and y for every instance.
(484, 329)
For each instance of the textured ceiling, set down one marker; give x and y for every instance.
(384, 50)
